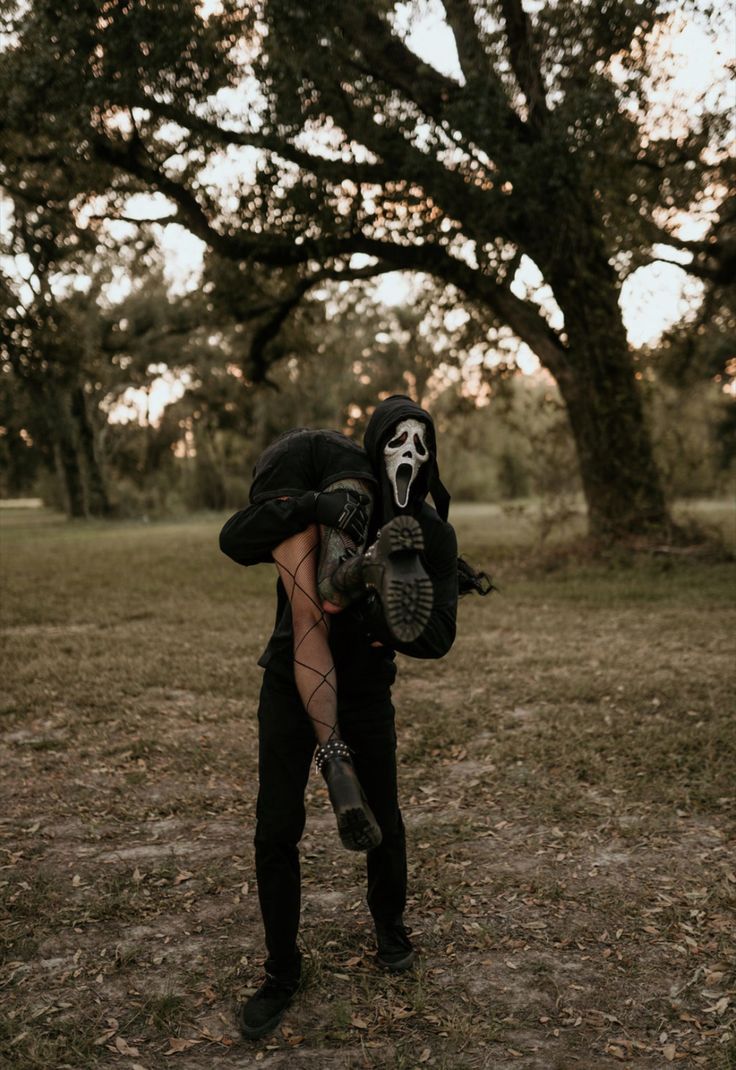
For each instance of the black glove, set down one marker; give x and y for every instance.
(346, 510)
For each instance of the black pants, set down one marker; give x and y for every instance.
(286, 746)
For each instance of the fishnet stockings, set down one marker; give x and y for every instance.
(314, 670)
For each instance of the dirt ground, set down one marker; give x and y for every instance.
(568, 782)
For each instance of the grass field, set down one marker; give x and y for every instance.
(568, 778)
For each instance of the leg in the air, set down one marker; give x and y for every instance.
(392, 567)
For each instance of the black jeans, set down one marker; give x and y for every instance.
(286, 745)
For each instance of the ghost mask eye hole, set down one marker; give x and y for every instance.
(398, 441)
(419, 446)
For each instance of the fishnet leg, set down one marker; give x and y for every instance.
(314, 669)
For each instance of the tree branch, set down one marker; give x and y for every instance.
(438, 96)
(470, 51)
(396, 64)
(335, 171)
(293, 249)
(524, 61)
(258, 360)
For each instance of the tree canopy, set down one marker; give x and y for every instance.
(310, 142)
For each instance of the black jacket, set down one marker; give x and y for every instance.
(250, 536)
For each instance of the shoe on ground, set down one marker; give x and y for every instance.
(393, 567)
(395, 950)
(356, 823)
(266, 1007)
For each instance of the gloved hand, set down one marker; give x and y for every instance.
(346, 510)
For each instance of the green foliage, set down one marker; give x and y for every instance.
(544, 143)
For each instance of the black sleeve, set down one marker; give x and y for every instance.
(440, 558)
(251, 535)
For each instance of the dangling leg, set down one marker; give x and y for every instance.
(314, 674)
(314, 670)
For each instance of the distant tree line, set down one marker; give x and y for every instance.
(72, 355)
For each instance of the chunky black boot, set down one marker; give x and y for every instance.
(266, 1007)
(393, 568)
(358, 828)
(395, 950)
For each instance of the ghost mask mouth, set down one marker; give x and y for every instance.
(404, 454)
(404, 477)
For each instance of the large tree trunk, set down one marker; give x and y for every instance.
(53, 406)
(97, 496)
(620, 477)
(66, 453)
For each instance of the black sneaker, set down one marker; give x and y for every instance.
(392, 566)
(266, 1007)
(395, 950)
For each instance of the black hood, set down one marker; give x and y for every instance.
(386, 416)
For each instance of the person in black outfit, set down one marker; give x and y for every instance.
(399, 467)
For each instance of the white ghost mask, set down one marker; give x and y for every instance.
(404, 454)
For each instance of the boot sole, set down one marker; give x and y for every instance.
(357, 831)
(406, 589)
(356, 824)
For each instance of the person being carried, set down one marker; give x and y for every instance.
(343, 611)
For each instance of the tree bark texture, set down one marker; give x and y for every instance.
(97, 497)
(597, 380)
(66, 453)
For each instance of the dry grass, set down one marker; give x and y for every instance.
(568, 786)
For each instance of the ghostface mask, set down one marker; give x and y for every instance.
(404, 454)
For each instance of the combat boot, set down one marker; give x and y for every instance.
(392, 567)
(356, 825)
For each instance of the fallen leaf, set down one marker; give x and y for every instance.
(137, 876)
(126, 1049)
(718, 1008)
(359, 1023)
(185, 875)
(669, 1051)
(179, 1044)
(425, 1055)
